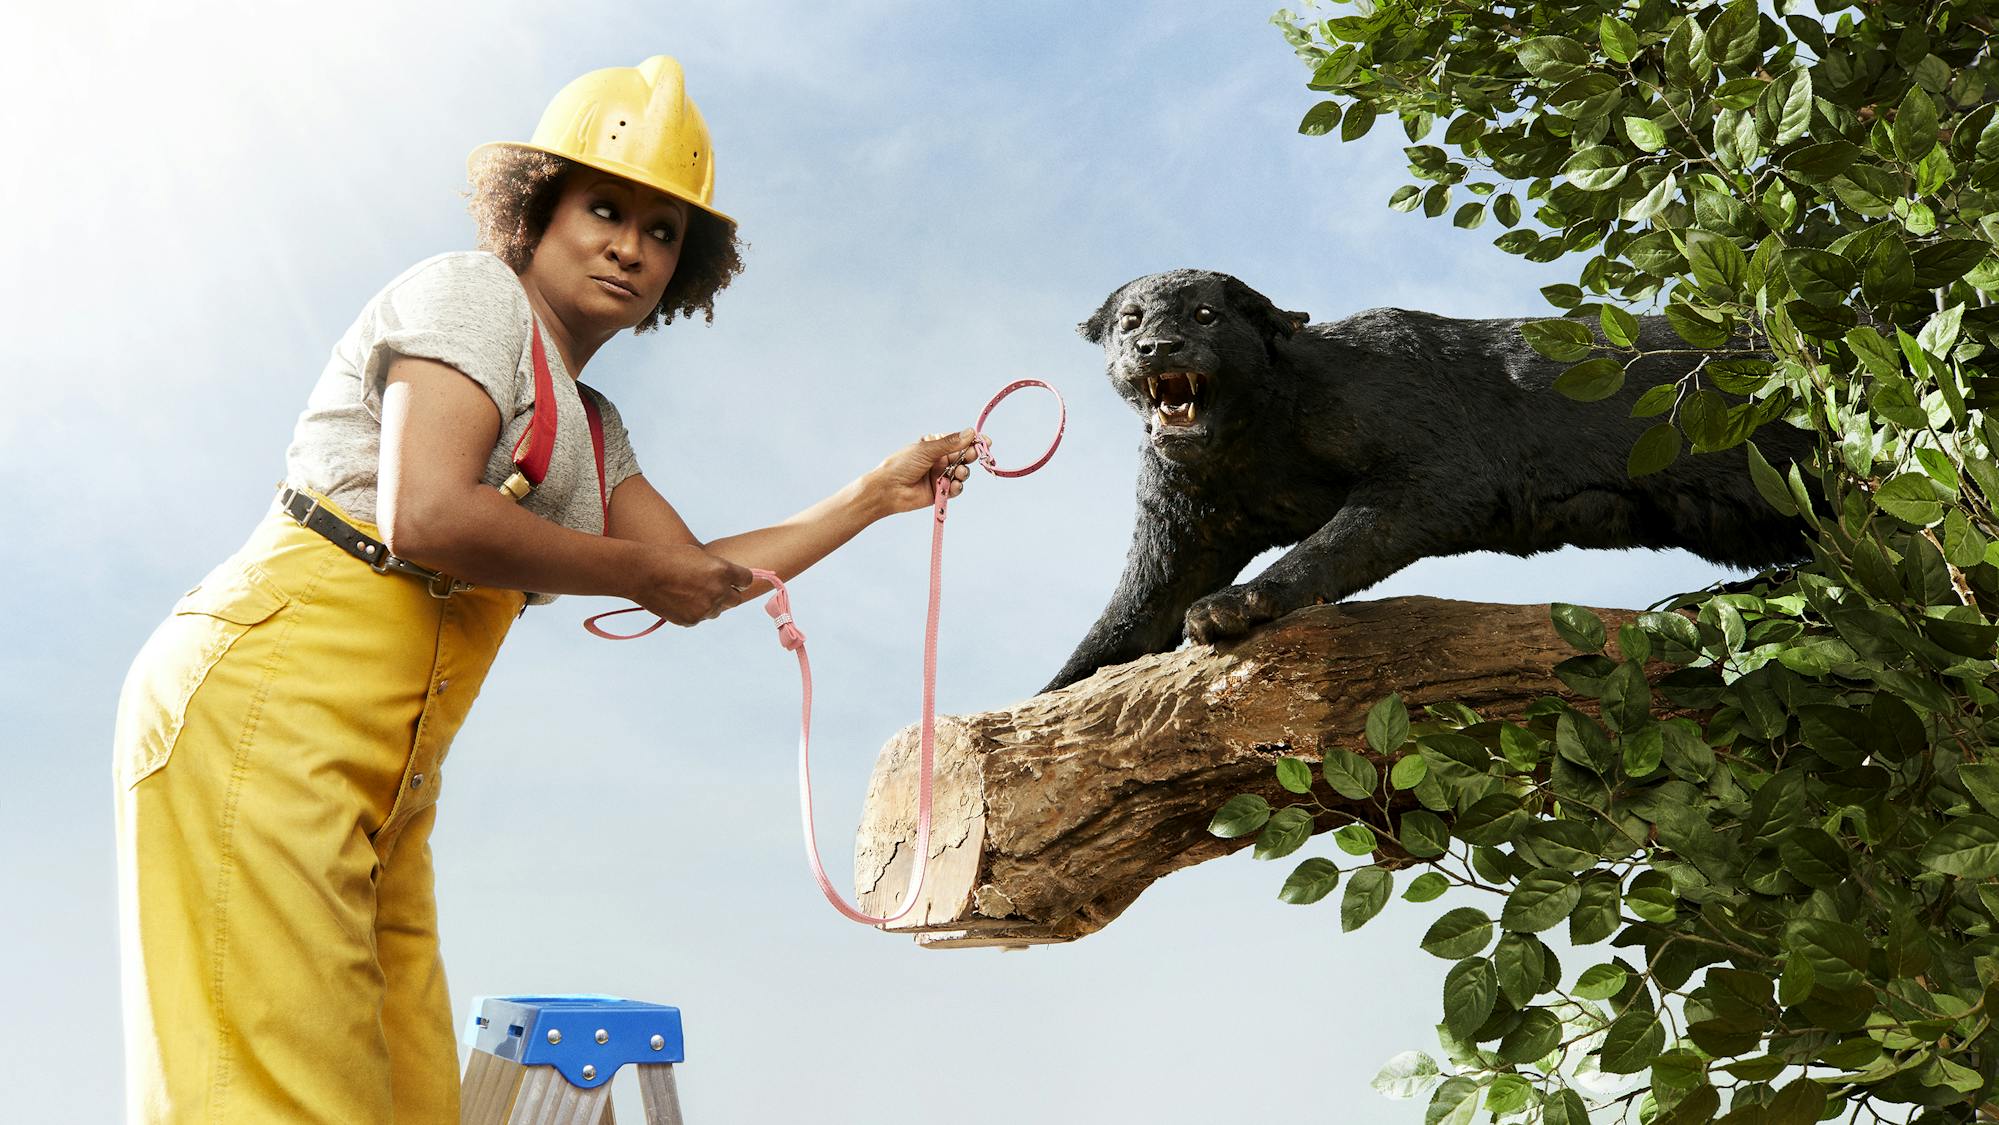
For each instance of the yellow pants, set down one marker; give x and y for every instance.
(279, 753)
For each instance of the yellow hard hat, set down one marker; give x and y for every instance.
(631, 121)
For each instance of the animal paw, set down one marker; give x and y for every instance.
(1234, 611)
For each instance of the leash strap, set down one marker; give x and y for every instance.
(793, 639)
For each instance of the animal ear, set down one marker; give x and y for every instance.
(1262, 311)
(1099, 323)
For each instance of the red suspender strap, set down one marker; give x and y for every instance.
(537, 443)
(597, 446)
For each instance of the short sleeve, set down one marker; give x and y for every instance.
(464, 309)
(619, 460)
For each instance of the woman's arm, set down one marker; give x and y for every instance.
(903, 481)
(438, 428)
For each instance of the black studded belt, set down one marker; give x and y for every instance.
(306, 510)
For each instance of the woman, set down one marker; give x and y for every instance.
(280, 737)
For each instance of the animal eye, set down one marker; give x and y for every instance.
(1204, 315)
(1128, 321)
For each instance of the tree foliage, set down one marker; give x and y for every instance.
(1775, 804)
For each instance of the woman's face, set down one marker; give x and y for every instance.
(609, 250)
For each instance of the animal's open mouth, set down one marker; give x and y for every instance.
(1176, 396)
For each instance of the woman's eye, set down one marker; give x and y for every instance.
(1204, 315)
(1128, 321)
(664, 234)
(603, 211)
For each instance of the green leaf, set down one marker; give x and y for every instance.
(1553, 58)
(1597, 168)
(1286, 831)
(1601, 982)
(1731, 39)
(1355, 839)
(1789, 101)
(1469, 217)
(1939, 333)
(1967, 847)
(1561, 340)
(1294, 774)
(1915, 129)
(1619, 327)
(1388, 725)
(1769, 483)
(1592, 379)
(1633, 1041)
(1350, 775)
(1241, 815)
(1982, 780)
(1423, 834)
(1368, 890)
(1719, 264)
(1522, 962)
(1506, 209)
(1425, 887)
(1320, 119)
(1540, 900)
(1310, 881)
(1911, 498)
(1454, 1103)
(1836, 950)
(1458, 934)
(1582, 629)
(1470, 990)
(1818, 277)
(1534, 1036)
(1359, 119)
(1619, 41)
(1658, 400)
(1408, 771)
(1655, 449)
(1702, 331)
(1645, 134)
(1653, 201)
(1406, 198)
(1596, 914)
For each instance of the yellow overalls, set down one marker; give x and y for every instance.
(279, 753)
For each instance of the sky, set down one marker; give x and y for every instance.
(206, 194)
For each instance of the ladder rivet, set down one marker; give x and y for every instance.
(659, 1042)
(589, 1072)
(554, 1036)
(603, 1036)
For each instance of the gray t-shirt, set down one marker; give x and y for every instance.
(466, 309)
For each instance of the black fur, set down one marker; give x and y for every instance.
(1375, 441)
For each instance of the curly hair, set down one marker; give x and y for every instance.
(513, 196)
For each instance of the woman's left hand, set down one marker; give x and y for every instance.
(907, 479)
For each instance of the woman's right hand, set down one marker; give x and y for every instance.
(686, 585)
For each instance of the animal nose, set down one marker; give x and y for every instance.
(1158, 347)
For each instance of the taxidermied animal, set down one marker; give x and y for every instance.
(1373, 442)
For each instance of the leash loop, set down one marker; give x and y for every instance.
(778, 606)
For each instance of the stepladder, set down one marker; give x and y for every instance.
(549, 1060)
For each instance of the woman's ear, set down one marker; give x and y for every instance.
(1275, 322)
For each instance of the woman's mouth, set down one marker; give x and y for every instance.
(614, 288)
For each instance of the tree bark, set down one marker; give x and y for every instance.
(1050, 817)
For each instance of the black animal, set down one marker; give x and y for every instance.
(1372, 442)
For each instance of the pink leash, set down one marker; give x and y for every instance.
(792, 638)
